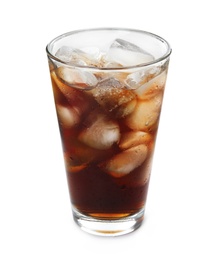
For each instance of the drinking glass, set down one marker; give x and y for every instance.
(108, 86)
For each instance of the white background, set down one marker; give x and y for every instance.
(35, 215)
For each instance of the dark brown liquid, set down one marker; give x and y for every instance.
(93, 191)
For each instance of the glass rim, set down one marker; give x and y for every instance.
(147, 64)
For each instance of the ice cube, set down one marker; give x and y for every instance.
(80, 154)
(72, 56)
(77, 78)
(93, 56)
(127, 54)
(68, 92)
(152, 87)
(133, 138)
(89, 56)
(114, 97)
(139, 177)
(101, 132)
(68, 117)
(68, 54)
(78, 102)
(110, 82)
(126, 161)
(125, 109)
(92, 53)
(137, 79)
(111, 64)
(145, 114)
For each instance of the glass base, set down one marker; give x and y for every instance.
(109, 228)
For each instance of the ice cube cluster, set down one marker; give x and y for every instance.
(120, 54)
(112, 116)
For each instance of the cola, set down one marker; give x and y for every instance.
(108, 94)
(108, 133)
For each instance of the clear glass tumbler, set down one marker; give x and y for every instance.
(108, 86)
